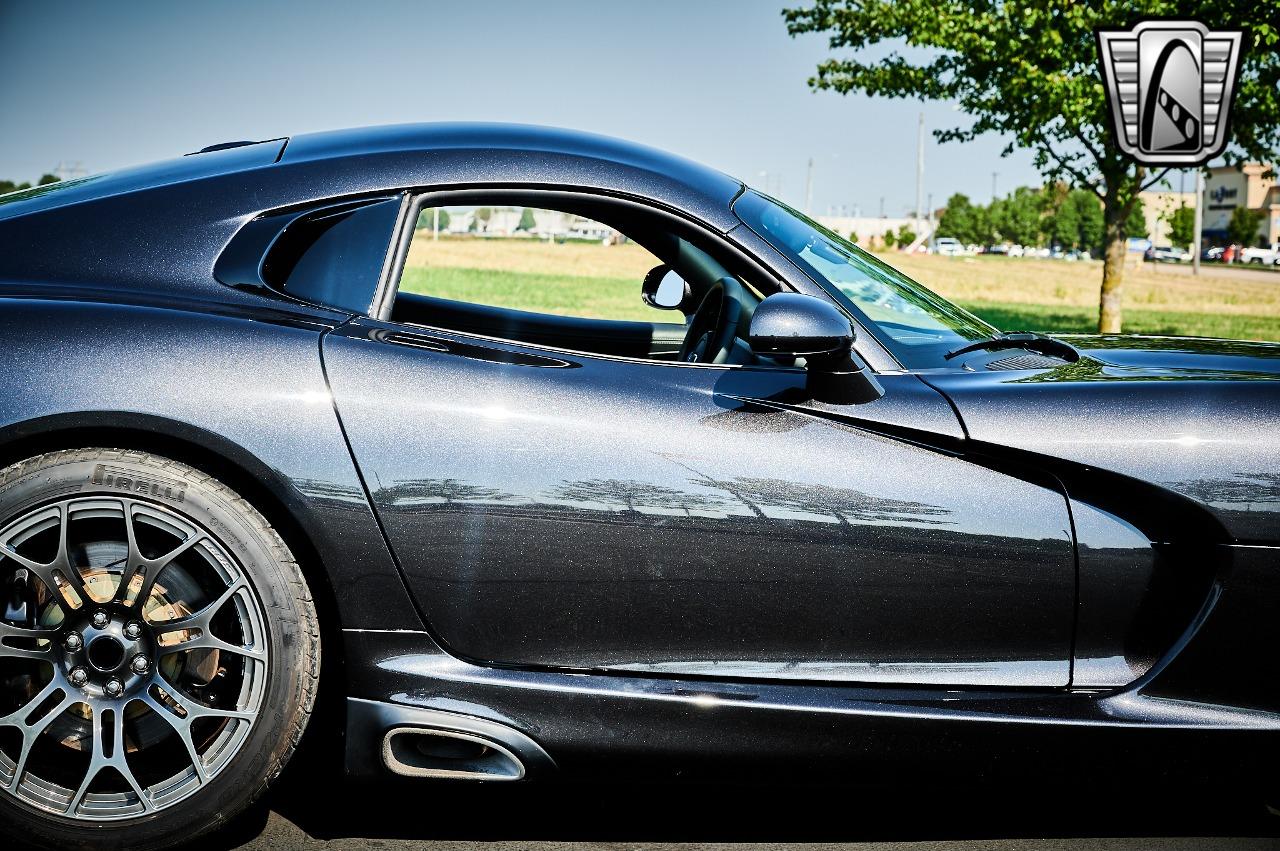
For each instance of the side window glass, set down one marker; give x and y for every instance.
(529, 259)
(334, 256)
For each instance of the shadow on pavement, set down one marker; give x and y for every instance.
(563, 812)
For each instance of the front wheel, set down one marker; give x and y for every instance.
(159, 651)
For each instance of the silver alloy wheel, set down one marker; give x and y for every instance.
(139, 650)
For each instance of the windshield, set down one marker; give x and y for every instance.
(916, 325)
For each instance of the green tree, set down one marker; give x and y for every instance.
(46, 179)
(853, 237)
(1182, 225)
(527, 221)
(7, 186)
(888, 239)
(1136, 223)
(1242, 228)
(1077, 222)
(1030, 71)
(1017, 217)
(959, 219)
(906, 236)
(427, 220)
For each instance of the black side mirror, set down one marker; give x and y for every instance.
(663, 288)
(791, 325)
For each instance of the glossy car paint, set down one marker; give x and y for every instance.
(1157, 458)
(245, 387)
(584, 512)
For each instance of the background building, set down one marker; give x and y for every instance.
(1229, 187)
(1157, 207)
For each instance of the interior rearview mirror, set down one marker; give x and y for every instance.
(663, 288)
(792, 325)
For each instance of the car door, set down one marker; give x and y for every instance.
(556, 509)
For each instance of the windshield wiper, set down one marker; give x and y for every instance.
(1028, 340)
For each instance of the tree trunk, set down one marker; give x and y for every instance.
(1116, 241)
(1123, 187)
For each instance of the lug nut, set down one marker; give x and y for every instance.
(132, 629)
(114, 687)
(73, 642)
(100, 619)
(78, 677)
(141, 664)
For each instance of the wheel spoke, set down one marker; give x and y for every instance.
(182, 727)
(100, 697)
(38, 653)
(206, 640)
(139, 565)
(200, 620)
(61, 564)
(185, 712)
(17, 718)
(195, 710)
(31, 732)
(100, 759)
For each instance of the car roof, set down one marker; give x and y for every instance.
(162, 226)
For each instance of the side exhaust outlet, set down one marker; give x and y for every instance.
(418, 752)
(429, 743)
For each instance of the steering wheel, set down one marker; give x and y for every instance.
(714, 325)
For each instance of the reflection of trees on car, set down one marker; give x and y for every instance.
(634, 495)
(846, 505)
(444, 491)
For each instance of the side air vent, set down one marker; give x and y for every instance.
(1027, 361)
(418, 752)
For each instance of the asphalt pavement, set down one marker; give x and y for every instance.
(309, 812)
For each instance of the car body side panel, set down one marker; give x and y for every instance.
(559, 510)
(695, 728)
(1210, 435)
(252, 387)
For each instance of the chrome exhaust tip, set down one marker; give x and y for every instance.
(421, 752)
(420, 742)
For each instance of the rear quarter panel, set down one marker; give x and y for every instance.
(250, 387)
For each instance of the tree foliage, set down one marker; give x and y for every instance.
(427, 219)
(1029, 71)
(527, 221)
(1242, 227)
(1182, 225)
(1136, 223)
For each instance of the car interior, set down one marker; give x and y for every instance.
(710, 313)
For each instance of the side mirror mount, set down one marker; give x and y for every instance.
(792, 325)
(664, 289)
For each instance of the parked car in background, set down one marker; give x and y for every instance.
(1166, 254)
(948, 246)
(1214, 253)
(1262, 256)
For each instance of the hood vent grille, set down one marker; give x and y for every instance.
(1027, 361)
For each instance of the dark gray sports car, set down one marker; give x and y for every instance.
(759, 506)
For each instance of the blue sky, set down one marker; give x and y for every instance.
(115, 84)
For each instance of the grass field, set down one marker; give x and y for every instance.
(583, 279)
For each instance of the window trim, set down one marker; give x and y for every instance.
(388, 286)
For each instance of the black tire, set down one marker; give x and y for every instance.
(291, 630)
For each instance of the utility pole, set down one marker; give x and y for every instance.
(882, 206)
(994, 175)
(919, 173)
(1199, 223)
(435, 226)
(808, 189)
